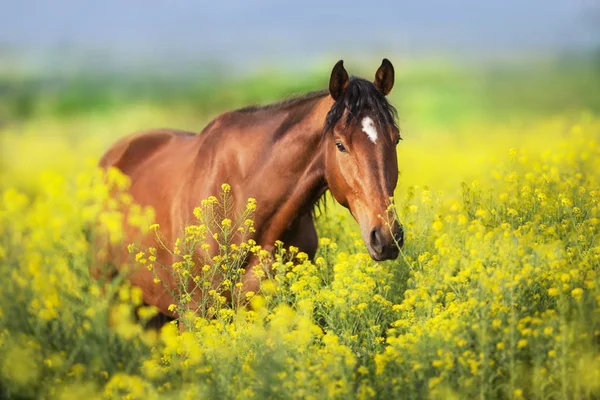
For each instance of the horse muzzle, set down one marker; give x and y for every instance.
(385, 247)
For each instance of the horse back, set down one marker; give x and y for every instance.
(131, 151)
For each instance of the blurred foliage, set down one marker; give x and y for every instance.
(431, 92)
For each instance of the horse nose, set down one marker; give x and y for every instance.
(383, 247)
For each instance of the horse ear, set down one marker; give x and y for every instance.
(384, 77)
(338, 81)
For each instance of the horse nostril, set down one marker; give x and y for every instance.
(399, 237)
(376, 240)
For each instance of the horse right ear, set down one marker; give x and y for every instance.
(384, 77)
(338, 81)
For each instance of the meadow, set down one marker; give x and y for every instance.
(495, 295)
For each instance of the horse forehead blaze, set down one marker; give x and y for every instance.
(368, 127)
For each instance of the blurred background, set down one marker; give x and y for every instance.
(175, 36)
(76, 75)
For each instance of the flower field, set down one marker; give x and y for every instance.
(496, 293)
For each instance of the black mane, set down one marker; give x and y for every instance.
(360, 96)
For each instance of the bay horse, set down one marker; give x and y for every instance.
(286, 155)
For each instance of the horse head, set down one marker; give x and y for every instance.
(361, 164)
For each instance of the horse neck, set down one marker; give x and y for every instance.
(293, 176)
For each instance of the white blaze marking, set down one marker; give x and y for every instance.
(368, 127)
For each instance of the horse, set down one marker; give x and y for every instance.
(286, 155)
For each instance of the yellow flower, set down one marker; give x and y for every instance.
(577, 293)
(251, 205)
(198, 213)
(324, 241)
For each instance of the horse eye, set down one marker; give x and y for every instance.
(398, 140)
(340, 147)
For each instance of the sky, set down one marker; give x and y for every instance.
(244, 33)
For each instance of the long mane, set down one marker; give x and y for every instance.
(360, 96)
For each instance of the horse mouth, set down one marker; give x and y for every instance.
(390, 253)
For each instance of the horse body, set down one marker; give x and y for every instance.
(279, 155)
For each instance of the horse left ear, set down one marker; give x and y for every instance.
(384, 77)
(338, 81)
